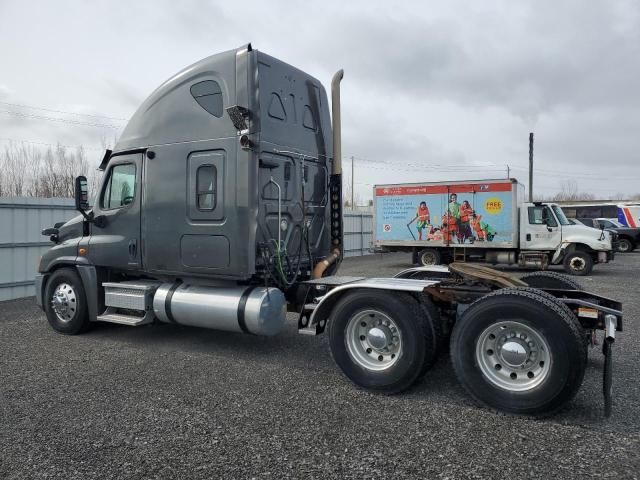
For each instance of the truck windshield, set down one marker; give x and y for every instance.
(560, 214)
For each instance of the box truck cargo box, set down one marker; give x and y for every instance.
(449, 213)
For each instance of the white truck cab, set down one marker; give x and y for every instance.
(544, 227)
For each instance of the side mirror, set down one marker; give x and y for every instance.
(81, 194)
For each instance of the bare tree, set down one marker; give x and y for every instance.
(16, 166)
(26, 170)
(569, 191)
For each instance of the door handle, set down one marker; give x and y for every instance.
(132, 248)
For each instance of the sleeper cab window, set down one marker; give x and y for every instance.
(120, 189)
(206, 180)
(209, 96)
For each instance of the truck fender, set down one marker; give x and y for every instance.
(322, 311)
(89, 278)
(436, 269)
(564, 248)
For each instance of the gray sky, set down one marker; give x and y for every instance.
(432, 90)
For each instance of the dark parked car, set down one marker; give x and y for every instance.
(628, 237)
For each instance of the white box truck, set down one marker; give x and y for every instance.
(482, 221)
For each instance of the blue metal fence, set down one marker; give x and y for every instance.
(21, 244)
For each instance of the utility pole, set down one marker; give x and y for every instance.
(352, 184)
(508, 172)
(530, 166)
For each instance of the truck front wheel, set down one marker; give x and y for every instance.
(382, 342)
(65, 303)
(578, 263)
(519, 351)
(625, 245)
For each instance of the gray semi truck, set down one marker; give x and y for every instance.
(220, 207)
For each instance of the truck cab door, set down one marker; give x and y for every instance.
(115, 235)
(540, 228)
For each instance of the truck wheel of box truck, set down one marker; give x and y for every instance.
(578, 263)
(382, 341)
(429, 256)
(65, 302)
(530, 361)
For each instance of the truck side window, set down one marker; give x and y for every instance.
(206, 180)
(208, 94)
(120, 189)
(541, 215)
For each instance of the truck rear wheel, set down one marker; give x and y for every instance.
(429, 256)
(65, 302)
(381, 341)
(550, 280)
(578, 263)
(519, 351)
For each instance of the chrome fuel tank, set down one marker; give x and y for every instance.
(248, 309)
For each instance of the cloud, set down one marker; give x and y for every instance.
(5, 92)
(443, 83)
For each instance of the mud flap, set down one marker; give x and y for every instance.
(607, 375)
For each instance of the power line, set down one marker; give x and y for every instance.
(62, 120)
(471, 168)
(586, 176)
(61, 111)
(432, 166)
(17, 140)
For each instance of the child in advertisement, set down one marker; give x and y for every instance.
(422, 214)
(464, 231)
(449, 227)
(477, 227)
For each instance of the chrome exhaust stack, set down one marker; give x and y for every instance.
(336, 121)
(335, 186)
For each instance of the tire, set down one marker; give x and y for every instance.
(625, 245)
(415, 347)
(432, 322)
(69, 315)
(547, 374)
(550, 280)
(578, 263)
(429, 256)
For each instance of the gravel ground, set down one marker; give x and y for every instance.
(176, 402)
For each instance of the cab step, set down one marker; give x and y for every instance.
(129, 303)
(131, 320)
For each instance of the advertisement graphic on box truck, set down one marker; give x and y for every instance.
(446, 214)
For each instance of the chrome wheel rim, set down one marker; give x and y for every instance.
(624, 246)
(428, 259)
(513, 356)
(373, 340)
(64, 302)
(578, 264)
